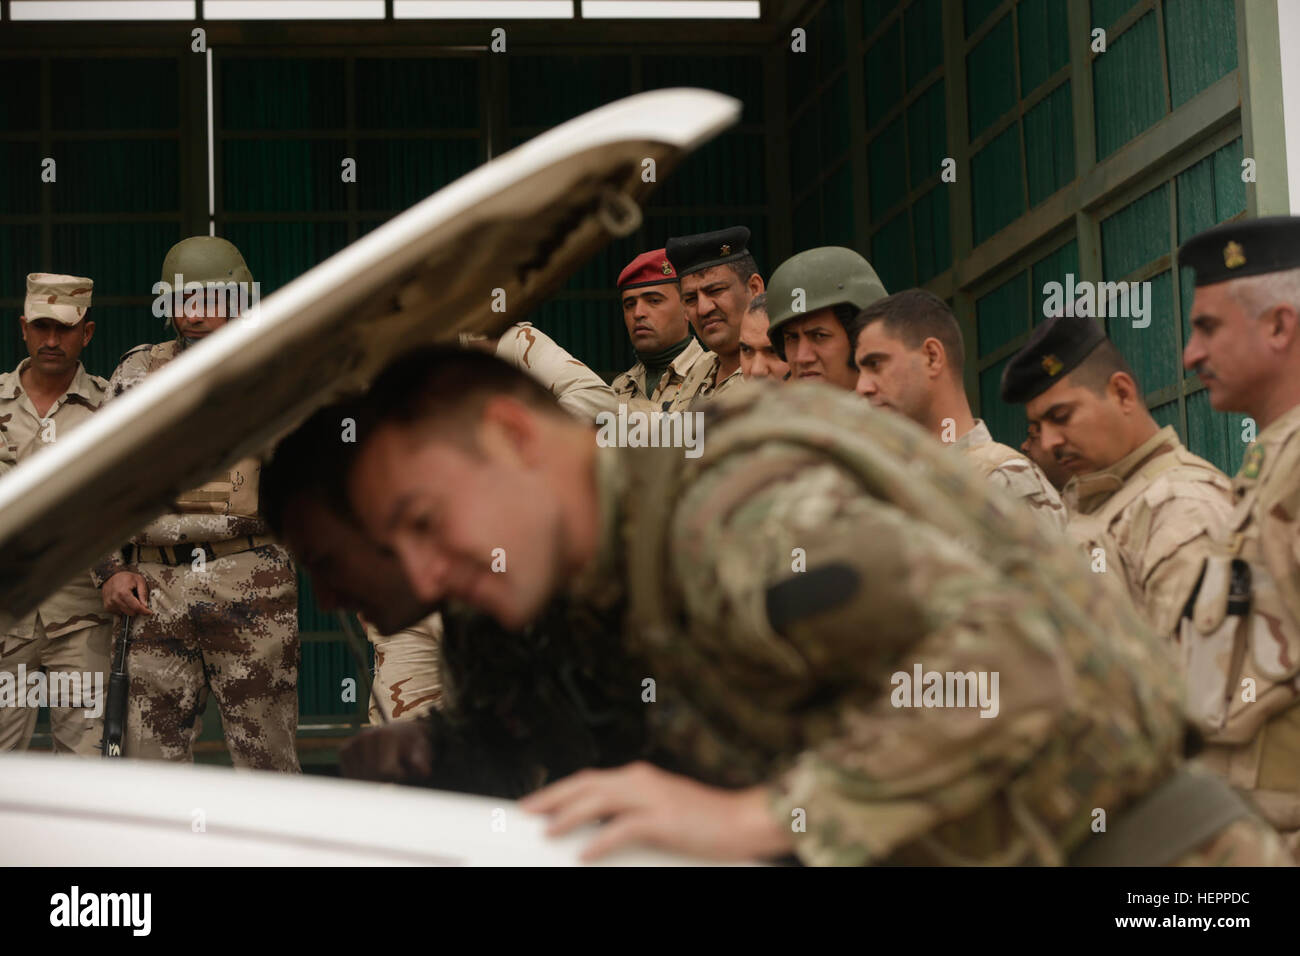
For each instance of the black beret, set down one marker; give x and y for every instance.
(1248, 247)
(704, 250)
(1057, 347)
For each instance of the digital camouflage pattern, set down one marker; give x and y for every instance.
(772, 672)
(1155, 514)
(630, 387)
(1244, 673)
(578, 389)
(1015, 474)
(225, 603)
(408, 669)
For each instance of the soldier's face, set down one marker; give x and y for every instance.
(654, 317)
(479, 526)
(715, 302)
(1233, 350)
(817, 348)
(1082, 431)
(347, 570)
(757, 357)
(890, 375)
(1032, 447)
(55, 348)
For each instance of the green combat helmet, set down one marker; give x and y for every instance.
(206, 259)
(828, 276)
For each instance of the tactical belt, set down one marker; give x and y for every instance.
(1177, 817)
(184, 553)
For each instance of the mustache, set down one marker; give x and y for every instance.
(1203, 370)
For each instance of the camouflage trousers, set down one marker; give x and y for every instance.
(408, 670)
(78, 728)
(231, 628)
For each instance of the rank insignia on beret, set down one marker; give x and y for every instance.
(1254, 461)
(1234, 257)
(667, 268)
(1052, 365)
(726, 250)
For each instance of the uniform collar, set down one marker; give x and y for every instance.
(978, 435)
(1283, 427)
(82, 386)
(1088, 492)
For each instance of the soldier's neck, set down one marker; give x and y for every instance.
(953, 408)
(1276, 402)
(727, 364)
(44, 390)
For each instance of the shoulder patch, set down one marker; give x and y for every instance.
(810, 593)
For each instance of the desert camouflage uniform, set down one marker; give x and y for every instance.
(771, 672)
(701, 382)
(1244, 675)
(408, 669)
(630, 387)
(1155, 513)
(69, 632)
(1008, 469)
(578, 389)
(228, 624)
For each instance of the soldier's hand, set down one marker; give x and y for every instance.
(397, 753)
(126, 593)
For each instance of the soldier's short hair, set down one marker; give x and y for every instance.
(912, 316)
(303, 462)
(1094, 373)
(744, 267)
(758, 303)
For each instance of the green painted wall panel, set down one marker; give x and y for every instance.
(114, 93)
(1200, 189)
(805, 147)
(727, 170)
(1136, 234)
(1000, 314)
(829, 24)
(738, 76)
(977, 11)
(837, 208)
(546, 90)
(1106, 12)
(923, 36)
(1215, 436)
(806, 221)
(933, 236)
(1052, 268)
(1044, 41)
(1153, 352)
(20, 107)
(886, 162)
(131, 176)
(991, 77)
(1167, 414)
(20, 178)
(417, 93)
(281, 93)
(884, 77)
(393, 174)
(997, 191)
(927, 134)
(20, 248)
(1005, 422)
(835, 120)
(277, 252)
(891, 254)
(1049, 144)
(1201, 40)
(875, 11)
(262, 175)
(1128, 89)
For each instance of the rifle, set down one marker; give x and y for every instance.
(115, 706)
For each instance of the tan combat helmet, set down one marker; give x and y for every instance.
(827, 276)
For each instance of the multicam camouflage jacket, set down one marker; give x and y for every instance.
(787, 585)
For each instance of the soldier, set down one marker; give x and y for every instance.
(909, 353)
(758, 359)
(215, 598)
(1144, 508)
(718, 278)
(1242, 641)
(577, 388)
(774, 589)
(68, 635)
(812, 299)
(1052, 470)
(656, 323)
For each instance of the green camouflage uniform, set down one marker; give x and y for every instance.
(779, 584)
(229, 625)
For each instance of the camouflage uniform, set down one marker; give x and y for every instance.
(701, 382)
(1155, 514)
(770, 673)
(1255, 737)
(229, 624)
(408, 669)
(578, 389)
(630, 387)
(1008, 469)
(69, 632)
